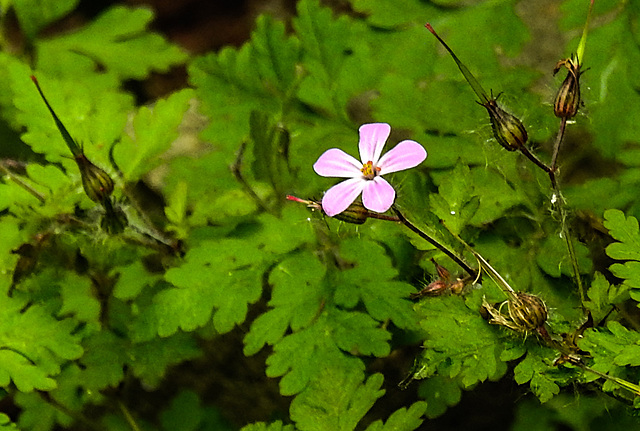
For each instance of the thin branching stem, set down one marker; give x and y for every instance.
(556, 147)
(452, 255)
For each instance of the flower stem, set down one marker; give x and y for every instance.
(452, 255)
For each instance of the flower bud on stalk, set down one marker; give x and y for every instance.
(507, 129)
(97, 184)
(567, 100)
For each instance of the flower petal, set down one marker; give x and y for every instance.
(372, 139)
(378, 195)
(337, 163)
(339, 197)
(405, 155)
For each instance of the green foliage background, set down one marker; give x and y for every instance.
(102, 330)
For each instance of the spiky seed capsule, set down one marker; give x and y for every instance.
(567, 100)
(97, 184)
(527, 311)
(507, 129)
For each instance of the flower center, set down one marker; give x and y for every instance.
(369, 171)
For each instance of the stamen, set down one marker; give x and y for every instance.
(369, 171)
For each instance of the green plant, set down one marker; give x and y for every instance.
(109, 297)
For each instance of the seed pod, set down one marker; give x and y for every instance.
(356, 213)
(507, 129)
(97, 184)
(527, 311)
(567, 100)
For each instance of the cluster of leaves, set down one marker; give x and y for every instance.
(88, 317)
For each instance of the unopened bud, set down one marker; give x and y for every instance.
(97, 184)
(528, 312)
(507, 129)
(567, 100)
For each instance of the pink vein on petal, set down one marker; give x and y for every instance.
(339, 197)
(372, 139)
(337, 163)
(378, 195)
(405, 155)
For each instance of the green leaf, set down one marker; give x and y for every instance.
(296, 298)
(34, 15)
(459, 342)
(532, 369)
(603, 296)
(117, 41)
(338, 67)
(440, 393)
(154, 130)
(402, 419)
(336, 400)
(233, 83)
(220, 275)
(301, 356)
(553, 257)
(132, 279)
(78, 299)
(455, 203)
(372, 280)
(149, 361)
(33, 345)
(625, 231)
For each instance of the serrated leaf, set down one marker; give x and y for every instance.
(301, 356)
(532, 369)
(402, 419)
(154, 129)
(149, 361)
(372, 281)
(440, 393)
(336, 400)
(337, 67)
(624, 230)
(233, 83)
(459, 342)
(218, 275)
(359, 334)
(116, 41)
(297, 297)
(33, 345)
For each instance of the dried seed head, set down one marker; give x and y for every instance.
(97, 184)
(507, 129)
(528, 312)
(567, 100)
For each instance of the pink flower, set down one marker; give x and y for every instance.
(366, 176)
